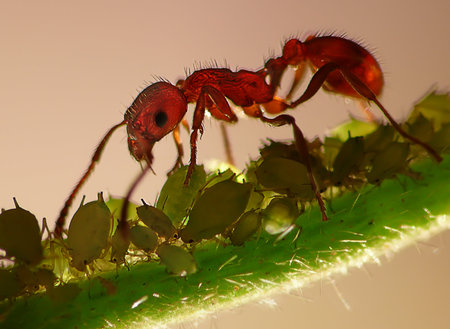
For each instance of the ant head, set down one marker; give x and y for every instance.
(156, 111)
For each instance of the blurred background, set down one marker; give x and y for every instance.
(69, 72)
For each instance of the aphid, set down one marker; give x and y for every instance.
(144, 238)
(434, 106)
(10, 285)
(88, 232)
(285, 176)
(33, 280)
(340, 65)
(349, 159)
(247, 225)
(354, 128)
(157, 220)
(119, 247)
(279, 215)
(421, 127)
(216, 209)
(441, 139)
(379, 139)
(388, 162)
(20, 235)
(177, 260)
(175, 201)
(331, 146)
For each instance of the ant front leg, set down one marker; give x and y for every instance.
(95, 158)
(302, 148)
(320, 77)
(180, 152)
(221, 104)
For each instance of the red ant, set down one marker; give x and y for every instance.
(339, 65)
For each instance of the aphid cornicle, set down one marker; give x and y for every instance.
(340, 65)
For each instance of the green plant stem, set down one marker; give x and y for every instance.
(363, 226)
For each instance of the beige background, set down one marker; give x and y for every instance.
(68, 73)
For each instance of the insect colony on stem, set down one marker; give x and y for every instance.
(340, 66)
(193, 207)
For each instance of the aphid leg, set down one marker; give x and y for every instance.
(320, 77)
(180, 152)
(302, 147)
(123, 226)
(221, 104)
(95, 158)
(227, 144)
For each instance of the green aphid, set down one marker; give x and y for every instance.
(435, 107)
(45, 277)
(177, 260)
(279, 150)
(144, 238)
(115, 207)
(379, 139)
(157, 220)
(175, 198)
(33, 280)
(421, 128)
(10, 285)
(88, 232)
(285, 176)
(216, 209)
(441, 139)
(20, 236)
(279, 215)
(331, 146)
(218, 177)
(119, 247)
(255, 201)
(247, 225)
(355, 128)
(388, 162)
(348, 160)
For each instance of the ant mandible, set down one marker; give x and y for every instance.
(339, 65)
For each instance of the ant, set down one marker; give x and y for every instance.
(340, 66)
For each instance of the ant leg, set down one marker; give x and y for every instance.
(95, 158)
(274, 68)
(319, 79)
(302, 147)
(221, 104)
(298, 78)
(227, 144)
(186, 125)
(365, 109)
(179, 145)
(123, 221)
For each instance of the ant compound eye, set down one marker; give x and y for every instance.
(161, 119)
